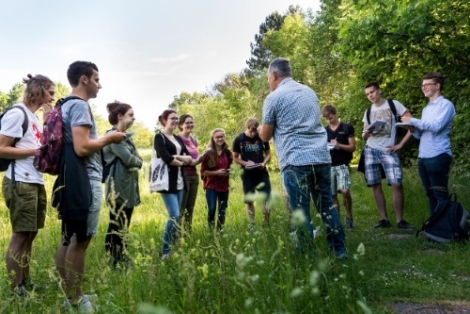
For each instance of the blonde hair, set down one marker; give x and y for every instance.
(212, 161)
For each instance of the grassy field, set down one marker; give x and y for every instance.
(240, 272)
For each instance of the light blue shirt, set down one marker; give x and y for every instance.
(299, 137)
(434, 127)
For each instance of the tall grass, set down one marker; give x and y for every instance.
(241, 272)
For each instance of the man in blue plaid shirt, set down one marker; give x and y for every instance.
(291, 115)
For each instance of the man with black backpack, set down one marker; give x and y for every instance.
(342, 144)
(23, 186)
(380, 151)
(80, 177)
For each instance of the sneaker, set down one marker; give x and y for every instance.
(348, 223)
(404, 225)
(251, 227)
(383, 223)
(84, 304)
(165, 256)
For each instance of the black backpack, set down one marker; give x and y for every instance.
(448, 222)
(5, 162)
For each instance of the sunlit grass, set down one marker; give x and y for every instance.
(242, 272)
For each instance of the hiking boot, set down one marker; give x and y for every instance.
(348, 223)
(383, 223)
(404, 225)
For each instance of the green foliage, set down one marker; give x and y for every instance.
(143, 137)
(261, 54)
(396, 42)
(256, 272)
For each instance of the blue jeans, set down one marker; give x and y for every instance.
(434, 173)
(172, 203)
(301, 182)
(216, 199)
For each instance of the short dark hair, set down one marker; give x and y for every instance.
(281, 67)
(115, 109)
(373, 84)
(79, 68)
(36, 87)
(164, 116)
(327, 110)
(183, 118)
(436, 77)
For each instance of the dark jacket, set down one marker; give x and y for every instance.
(165, 150)
(72, 189)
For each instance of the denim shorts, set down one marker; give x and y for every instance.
(340, 179)
(27, 203)
(390, 163)
(81, 229)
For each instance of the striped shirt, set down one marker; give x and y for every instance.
(299, 137)
(434, 127)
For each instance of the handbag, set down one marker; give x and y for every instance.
(159, 174)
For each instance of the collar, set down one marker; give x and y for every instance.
(438, 99)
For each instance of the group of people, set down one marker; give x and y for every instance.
(79, 195)
(180, 152)
(313, 160)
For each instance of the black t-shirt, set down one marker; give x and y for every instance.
(342, 134)
(251, 148)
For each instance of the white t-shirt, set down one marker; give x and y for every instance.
(180, 182)
(12, 123)
(385, 137)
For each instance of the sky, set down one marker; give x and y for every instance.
(147, 51)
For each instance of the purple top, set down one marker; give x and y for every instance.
(191, 145)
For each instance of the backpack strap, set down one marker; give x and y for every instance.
(24, 126)
(368, 114)
(62, 101)
(393, 108)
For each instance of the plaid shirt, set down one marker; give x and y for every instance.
(299, 137)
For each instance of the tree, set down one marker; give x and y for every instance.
(186, 98)
(143, 137)
(396, 42)
(15, 94)
(260, 54)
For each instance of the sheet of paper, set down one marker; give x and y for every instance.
(376, 126)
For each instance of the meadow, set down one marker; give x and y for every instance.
(241, 272)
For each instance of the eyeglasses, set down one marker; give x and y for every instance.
(428, 84)
(219, 137)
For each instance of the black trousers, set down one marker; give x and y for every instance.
(115, 240)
